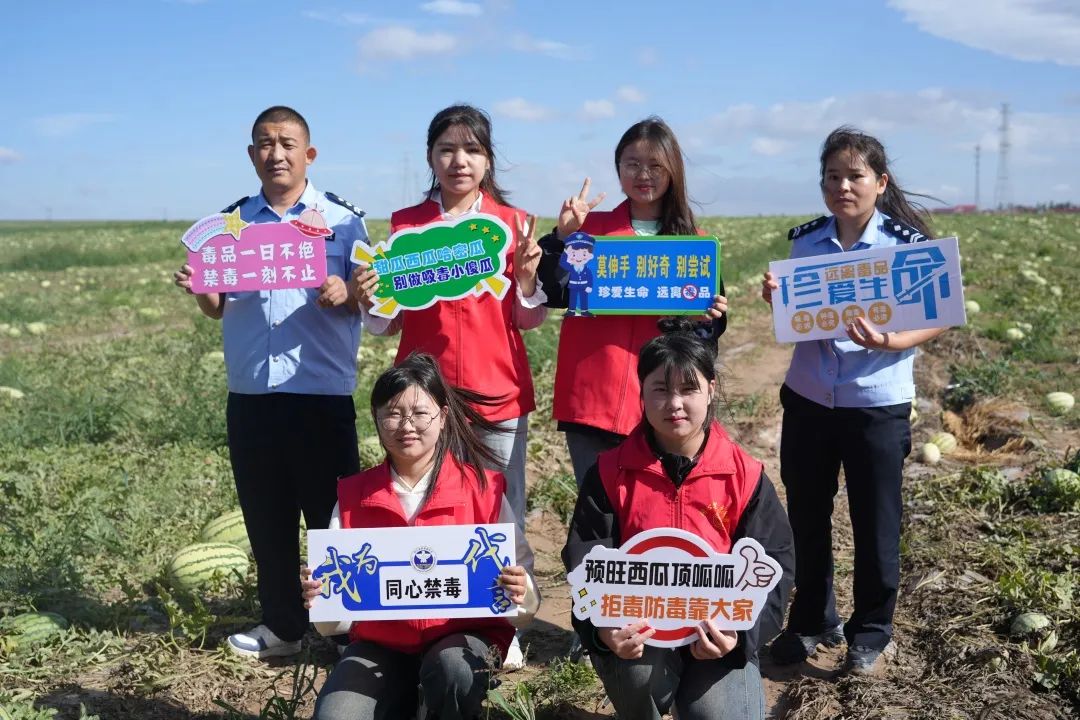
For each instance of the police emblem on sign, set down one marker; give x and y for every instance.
(423, 559)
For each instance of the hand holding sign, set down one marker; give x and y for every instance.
(514, 582)
(309, 589)
(713, 643)
(363, 284)
(332, 292)
(758, 573)
(576, 208)
(863, 333)
(768, 284)
(627, 642)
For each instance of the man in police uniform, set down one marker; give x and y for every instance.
(290, 356)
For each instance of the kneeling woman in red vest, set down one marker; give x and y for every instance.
(433, 475)
(678, 468)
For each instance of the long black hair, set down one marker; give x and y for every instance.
(477, 122)
(682, 354)
(676, 217)
(458, 437)
(894, 202)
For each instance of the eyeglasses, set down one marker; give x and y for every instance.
(421, 421)
(634, 168)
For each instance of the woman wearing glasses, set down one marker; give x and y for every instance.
(597, 393)
(434, 474)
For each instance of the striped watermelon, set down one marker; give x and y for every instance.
(229, 528)
(372, 452)
(34, 627)
(195, 565)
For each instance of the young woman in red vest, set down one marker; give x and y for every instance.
(596, 389)
(476, 340)
(435, 473)
(679, 468)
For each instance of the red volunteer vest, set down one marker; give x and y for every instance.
(596, 375)
(709, 503)
(473, 339)
(368, 500)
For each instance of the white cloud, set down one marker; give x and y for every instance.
(397, 42)
(65, 124)
(9, 156)
(769, 147)
(1061, 188)
(452, 7)
(931, 110)
(630, 94)
(344, 18)
(1033, 30)
(551, 48)
(597, 109)
(521, 109)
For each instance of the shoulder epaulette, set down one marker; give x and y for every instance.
(345, 204)
(902, 232)
(235, 205)
(807, 227)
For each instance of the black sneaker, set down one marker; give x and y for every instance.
(862, 660)
(791, 647)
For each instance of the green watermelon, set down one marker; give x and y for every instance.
(229, 528)
(945, 441)
(372, 452)
(34, 627)
(195, 565)
(1060, 488)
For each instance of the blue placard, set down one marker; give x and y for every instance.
(412, 572)
(660, 275)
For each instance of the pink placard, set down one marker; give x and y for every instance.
(268, 256)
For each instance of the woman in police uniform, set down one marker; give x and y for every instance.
(846, 403)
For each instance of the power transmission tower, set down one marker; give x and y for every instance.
(1002, 190)
(977, 150)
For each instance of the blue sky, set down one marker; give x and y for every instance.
(142, 108)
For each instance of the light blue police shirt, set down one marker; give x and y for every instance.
(841, 373)
(281, 340)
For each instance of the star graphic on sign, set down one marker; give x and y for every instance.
(233, 224)
(472, 226)
(485, 229)
(494, 238)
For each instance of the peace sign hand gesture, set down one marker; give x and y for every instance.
(526, 256)
(575, 208)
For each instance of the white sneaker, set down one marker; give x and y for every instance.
(260, 642)
(515, 659)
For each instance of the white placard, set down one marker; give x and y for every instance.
(910, 286)
(443, 571)
(674, 580)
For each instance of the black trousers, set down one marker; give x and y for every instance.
(287, 453)
(870, 444)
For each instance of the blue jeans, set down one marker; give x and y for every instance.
(509, 448)
(647, 688)
(372, 682)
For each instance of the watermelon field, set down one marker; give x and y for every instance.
(113, 459)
